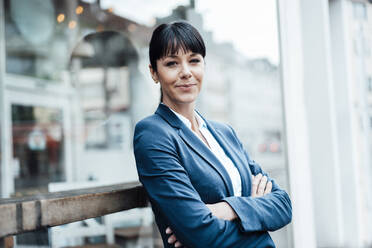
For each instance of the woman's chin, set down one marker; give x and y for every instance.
(187, 99)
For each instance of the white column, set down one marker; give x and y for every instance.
(321, 115)
(291, 48)
(346, 117)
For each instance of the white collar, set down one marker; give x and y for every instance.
(186, 121)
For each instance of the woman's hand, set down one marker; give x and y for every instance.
(260, 185)
(172, 239)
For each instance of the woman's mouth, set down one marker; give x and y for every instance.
(185, 86)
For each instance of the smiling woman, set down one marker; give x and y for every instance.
(177, 61)
(204, 188)
(181, 77)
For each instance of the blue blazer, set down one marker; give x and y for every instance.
(181, 175)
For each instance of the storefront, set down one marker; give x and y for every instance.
(65, 76)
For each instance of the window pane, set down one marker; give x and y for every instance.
(36, 43)
(37, 148)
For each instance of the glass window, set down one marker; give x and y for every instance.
(37, 148)
(37, 38)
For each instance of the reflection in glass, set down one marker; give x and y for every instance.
(36, 38)
(102, 78)
(37, 148)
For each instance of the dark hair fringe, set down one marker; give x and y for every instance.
(169, 38)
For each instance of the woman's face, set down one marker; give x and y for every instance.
(180, 76)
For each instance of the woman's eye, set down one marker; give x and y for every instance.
(170, 63)
(195, 60)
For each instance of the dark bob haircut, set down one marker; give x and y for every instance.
(168, 39)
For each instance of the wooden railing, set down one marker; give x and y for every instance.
(19, 215)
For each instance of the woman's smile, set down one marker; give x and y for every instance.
(186, 87)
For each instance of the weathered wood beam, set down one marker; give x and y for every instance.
(18, 215)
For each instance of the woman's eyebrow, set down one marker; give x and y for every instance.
(170, 56)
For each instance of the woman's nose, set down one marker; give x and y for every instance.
(185, 71)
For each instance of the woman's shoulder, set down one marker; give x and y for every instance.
(151, 120)
(226, 129)
(221, 126)
(152, 127)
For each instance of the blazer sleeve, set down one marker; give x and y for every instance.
(269, 212)
(170, 189)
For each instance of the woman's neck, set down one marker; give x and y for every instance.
(186, 110)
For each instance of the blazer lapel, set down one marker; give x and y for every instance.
(235, 158)
(196, 145)
(200, 148)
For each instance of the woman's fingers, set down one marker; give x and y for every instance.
(262, 186)
(255, 182)
(269, 187)
(168, 230)
(172, 239)
(178, 244)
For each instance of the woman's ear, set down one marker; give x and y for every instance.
(153, 74)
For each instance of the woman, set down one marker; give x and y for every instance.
(204, 189)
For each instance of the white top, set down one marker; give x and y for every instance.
(217, 151)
